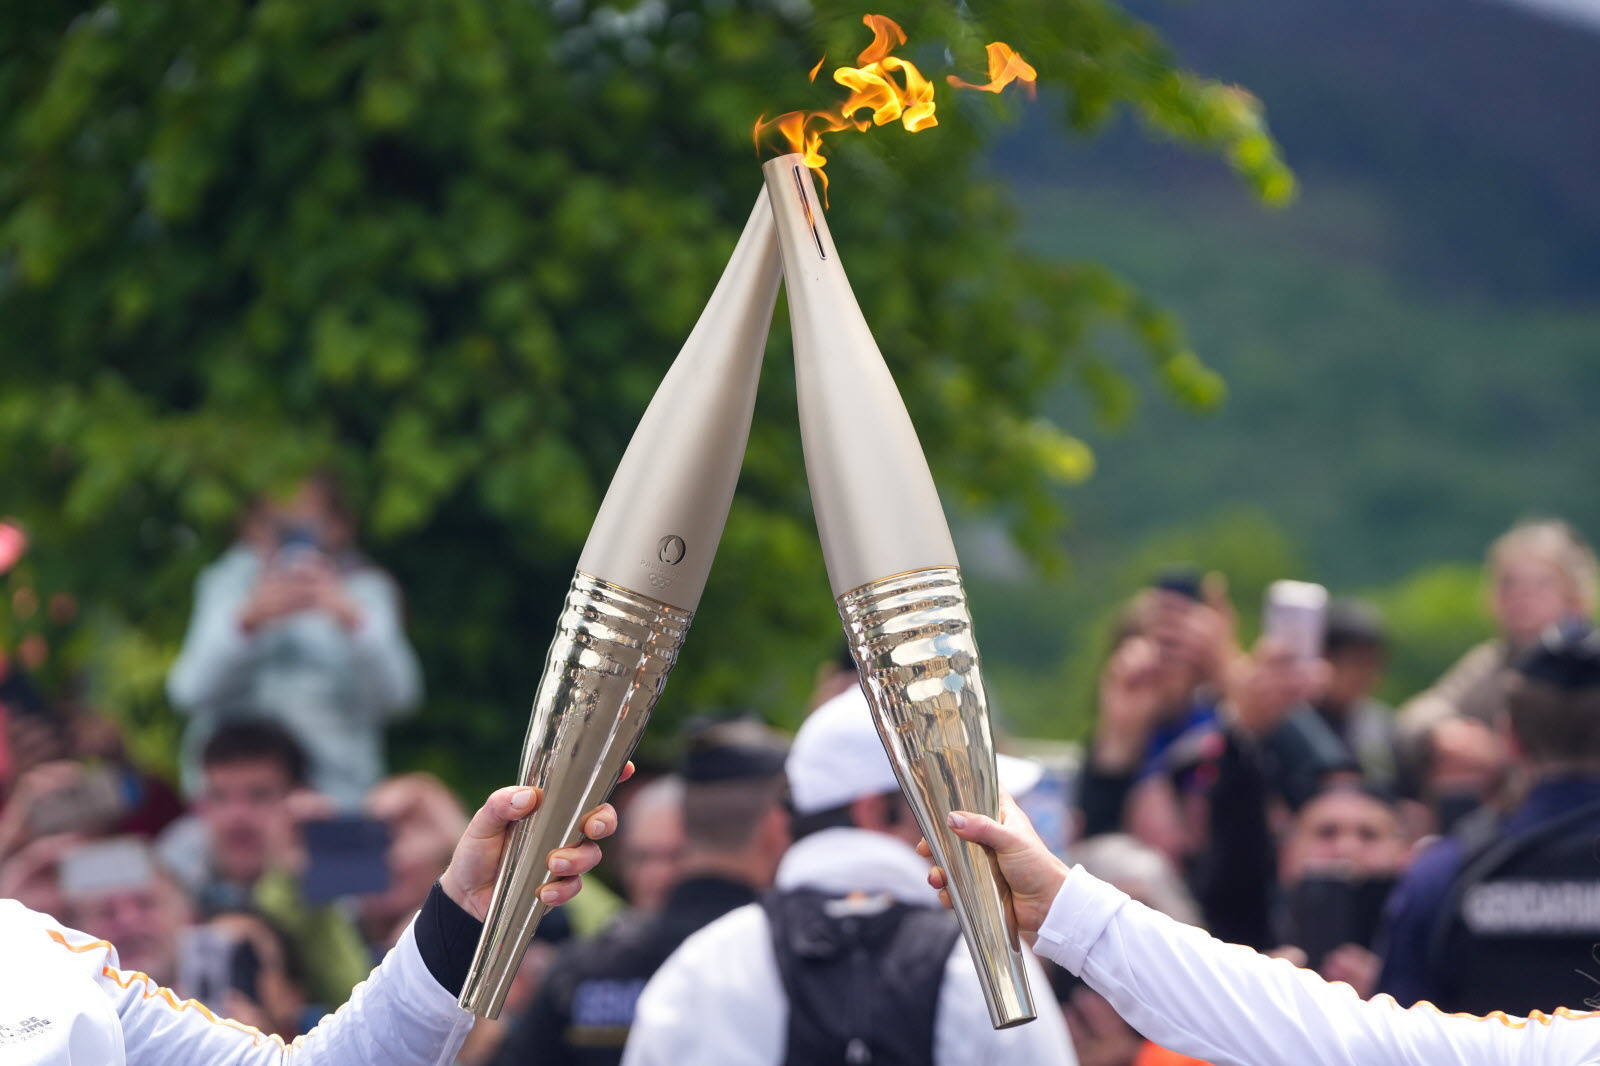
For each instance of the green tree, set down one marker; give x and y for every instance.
(449, 247)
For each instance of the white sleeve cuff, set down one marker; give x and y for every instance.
(1080, 913)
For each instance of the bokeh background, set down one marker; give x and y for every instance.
(449, 247)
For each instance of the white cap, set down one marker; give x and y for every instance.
(837, 757)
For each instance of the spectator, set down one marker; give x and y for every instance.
(845, 961)
(1236, 780)
(729, 803)
(1355, 647)
(242, 821)
(1502, 914)
(295, 623)
(241, 850)
(1541, 573)
(1161, 681)
(1338, 866)
(115, 890)
(103, 794)
(651, 844)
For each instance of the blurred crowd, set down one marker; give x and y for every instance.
(764, 895)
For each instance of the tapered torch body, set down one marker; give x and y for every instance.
(639, 580)
(895, 579)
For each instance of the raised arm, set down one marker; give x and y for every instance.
(405, 1013)
(1198, 996)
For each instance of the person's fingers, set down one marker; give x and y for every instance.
(627, 772)
(504, 806)
(600, 822)
(936, 877)
(578, 860)
(923, 849)
(982, 830)
(560, 891)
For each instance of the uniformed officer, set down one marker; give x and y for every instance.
(1505, 913)
(735, 829)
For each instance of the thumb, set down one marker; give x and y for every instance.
(980, 829)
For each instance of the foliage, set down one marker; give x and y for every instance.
(449, 247)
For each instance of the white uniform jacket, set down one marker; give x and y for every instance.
(64, 1001)
(719, 999)
(1230, 1006)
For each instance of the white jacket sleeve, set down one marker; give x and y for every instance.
(1225, 1003)
(399, 1016)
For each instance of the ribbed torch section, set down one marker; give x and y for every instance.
(608, 664)
(893, 569)
(912, 638)
(639, 581)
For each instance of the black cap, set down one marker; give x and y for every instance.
(1566, 656)
(736, 749)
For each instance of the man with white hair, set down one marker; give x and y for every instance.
(848, 959)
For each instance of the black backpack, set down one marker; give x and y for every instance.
(862, 975)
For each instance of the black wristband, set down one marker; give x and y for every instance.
(447, 936)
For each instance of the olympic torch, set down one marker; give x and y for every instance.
(638, 582)
(895, 579)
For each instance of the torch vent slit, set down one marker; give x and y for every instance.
(811, 220)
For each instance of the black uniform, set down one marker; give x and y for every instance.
(582, 1014)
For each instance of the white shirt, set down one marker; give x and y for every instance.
(1230, 1006)
(64, 1001)
(719, 998)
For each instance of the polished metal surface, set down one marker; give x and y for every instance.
(610, 658)
(912, 637)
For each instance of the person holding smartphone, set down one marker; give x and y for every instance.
(296, 624)
(67, 1000)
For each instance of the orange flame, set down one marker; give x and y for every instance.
(874, 89)
(1005, 67)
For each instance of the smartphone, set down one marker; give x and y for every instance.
(105, 866)
(1185, 581)
(348, 856)
(1328, 910)
(1295, 615)
(92, 804)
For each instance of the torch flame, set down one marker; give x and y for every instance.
(885, 98)
(1005, 67)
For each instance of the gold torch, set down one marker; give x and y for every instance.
(638, 582)
(895, 579)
